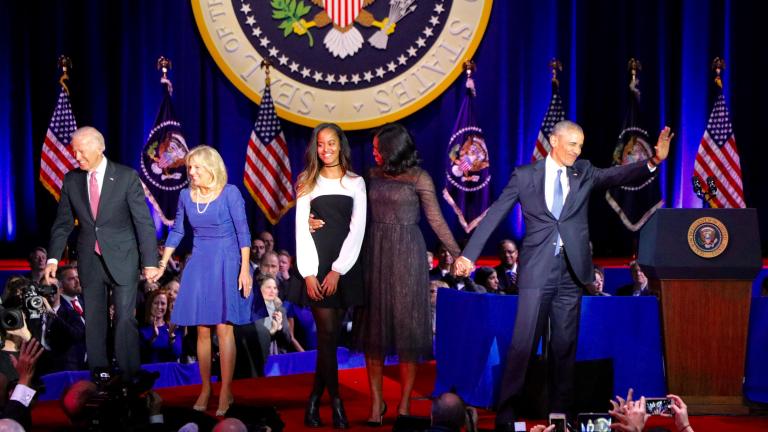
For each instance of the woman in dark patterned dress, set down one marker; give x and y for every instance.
(327, 258)
(397, 316)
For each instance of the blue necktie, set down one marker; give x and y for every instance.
(557, 205)
(557, 198)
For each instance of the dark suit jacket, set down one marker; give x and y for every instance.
(453, 281)
(505, 283)
(537, 254)
(65, 335)
(123, 227)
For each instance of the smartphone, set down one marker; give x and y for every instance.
(594, 422)
(658, 406)
(558, 419)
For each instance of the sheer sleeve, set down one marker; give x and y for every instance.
(426, 190)
(350, 249)
(306, 252)
(177, 231)
(236, 206)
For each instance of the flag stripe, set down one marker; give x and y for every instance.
(267, 173)
(56, 159)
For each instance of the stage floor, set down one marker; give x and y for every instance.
(288, 394)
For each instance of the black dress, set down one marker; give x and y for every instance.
(397, 317)
(342, 206)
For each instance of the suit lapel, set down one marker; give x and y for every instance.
(574, 184)
(539, 173)
(107, 186)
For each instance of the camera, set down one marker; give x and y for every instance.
(32, 298)
(118, 403)
(658, 406)
(594, 422)
(11, 319)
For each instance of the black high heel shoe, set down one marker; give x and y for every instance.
(339, 416)
(312, 413)
(372, 423)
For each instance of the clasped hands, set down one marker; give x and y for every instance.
(462, 267)
(317, 291)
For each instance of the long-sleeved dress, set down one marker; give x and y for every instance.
(208, 291)
(341, 203)
(397, 316)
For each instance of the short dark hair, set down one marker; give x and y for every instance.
(266, 255)
(60, 270)
(482, 274)
(449, 411)
(396, 148)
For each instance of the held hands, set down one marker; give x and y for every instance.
(152, 274)
(315, 224)
(245, 282)
(462, 267)
(313, 288)
(49, 273)
(662, 145)
(330, 282)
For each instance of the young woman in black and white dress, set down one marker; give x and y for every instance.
(327, 258)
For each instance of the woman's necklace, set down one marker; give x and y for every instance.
(201, 196)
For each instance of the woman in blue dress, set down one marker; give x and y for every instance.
(215, 289)
(327, 258)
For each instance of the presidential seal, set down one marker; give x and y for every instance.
(358, 63)
(707, 237)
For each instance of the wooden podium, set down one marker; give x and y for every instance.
(702, 263)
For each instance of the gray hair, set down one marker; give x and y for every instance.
(566, 125)
(89, 133)
(10, 425)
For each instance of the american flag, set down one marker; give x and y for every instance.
(343, 12)
(554, 114)
(267, 168)
(57, 157)
(718, 158)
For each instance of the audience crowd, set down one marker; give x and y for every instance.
(48, 335)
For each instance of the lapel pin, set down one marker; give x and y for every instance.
(111, 179)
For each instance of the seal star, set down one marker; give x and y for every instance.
(245, 8)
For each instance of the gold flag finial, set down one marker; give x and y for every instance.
(718, 65)
(266, 64)
(469, 67)
(164, 65)
(65, 64)
(555, 66)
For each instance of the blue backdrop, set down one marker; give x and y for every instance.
(114, 86)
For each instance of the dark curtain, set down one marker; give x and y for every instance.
(115, 87)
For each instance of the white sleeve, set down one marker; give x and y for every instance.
(22, 394)
(350, 250)
(306, 252)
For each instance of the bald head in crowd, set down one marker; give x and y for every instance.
(449, 411)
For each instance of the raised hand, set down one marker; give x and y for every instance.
(49, 273)
(662, 144)
(29, 352)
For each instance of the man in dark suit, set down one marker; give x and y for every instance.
(116, 237)
(65, 331)
(507, 270)
(554, 261)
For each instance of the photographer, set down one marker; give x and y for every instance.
(17, 407)
(111, 404)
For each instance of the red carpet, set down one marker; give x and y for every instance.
(288, 394)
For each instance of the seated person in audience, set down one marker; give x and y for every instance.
(430, 260)
(268, 334)
(16, 407)
(64, 335)
(507, 270)
(160, 339)
(596, 288)
(269, 241)
(639, 285)
(443, 272)
(486, 277)
(257, 252)
(37, 260)
(450, 414)
(289, 281)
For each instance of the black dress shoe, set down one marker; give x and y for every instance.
(339, 416)
(312, 413)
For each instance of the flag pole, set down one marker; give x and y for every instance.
(266, 64)
(164, 65)
(64, 63)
